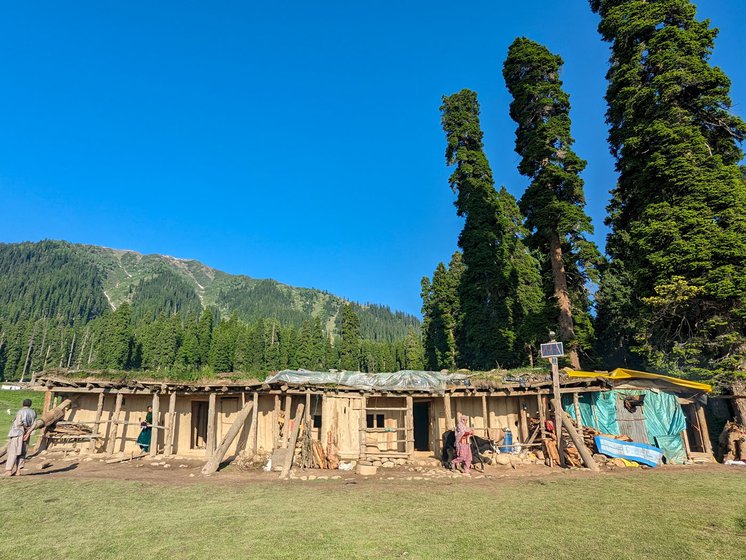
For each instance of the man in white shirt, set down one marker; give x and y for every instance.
(18, 436)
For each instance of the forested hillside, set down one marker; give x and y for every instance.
(66, 305)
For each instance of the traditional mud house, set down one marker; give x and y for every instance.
(384, 416)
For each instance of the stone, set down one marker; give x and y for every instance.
(502, 460)
(367, 470)
(311, 477)
(336, 477)
(191, 475)
(388, 465)
(377, 463)
(304, 477)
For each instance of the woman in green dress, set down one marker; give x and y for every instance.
(143, 440)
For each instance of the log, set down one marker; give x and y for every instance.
(585, 454)
(114, 425)
(212, 429)
(154, 425)
(99, 411)
(46, 419)
(171, 420)
(214, 461)
(293, 439)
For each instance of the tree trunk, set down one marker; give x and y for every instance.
(738, 389)
(566, 329)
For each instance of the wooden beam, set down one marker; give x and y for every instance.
(585, 453)
(308, 406)
(363, 425)
(96, 429)
(154, 425)
(171, 424)
(523, 414)
(255, 423)
(293, 439)
(449, 415)
(702, 425)
(214, 461)
(542, 416)
(578, 416)
(286, 425)
(47, 400)
(409, 424)
(114, 425)
(211, 425)
(276, 423)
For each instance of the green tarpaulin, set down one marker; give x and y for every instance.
(664, 418)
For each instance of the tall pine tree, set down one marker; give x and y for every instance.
(554, 201)
(349, 340)
(489, 285)
(675, 288)
(441, 314)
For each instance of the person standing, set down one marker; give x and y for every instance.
(463, 445)
(143, 440)
(19, 434)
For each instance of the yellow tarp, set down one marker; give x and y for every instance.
(620, 374)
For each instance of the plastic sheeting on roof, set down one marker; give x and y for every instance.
(429, 381)
(621, 374)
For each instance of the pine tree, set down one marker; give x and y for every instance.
(349, 343)
(489, 284)
(675, 287)
(118, 338)
(441, 314)
(553, 204)
(204, 337)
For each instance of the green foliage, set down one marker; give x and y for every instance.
(349, 346)
(679, 208)
(554, 202)
(441, 312)
(491, 311)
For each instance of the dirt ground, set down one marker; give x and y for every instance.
(180, 471)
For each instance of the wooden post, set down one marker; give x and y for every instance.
(485, 416)
(293, 439)
(687, 449)
(47, 400)
(276, 423)
(449, 416)
(363, 426)
(577, 439)
(211, 425)
(153, 430)
(522, 405)
(114, 425)
(170, 425)
(286, 425)
(542, 416)
(557, 401)
(578, 416)
(96, 429)
(214, 461)
(409, 425)
(703, 432)
(308, 406)
(254, 423)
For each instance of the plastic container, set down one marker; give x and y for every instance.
(507, 446)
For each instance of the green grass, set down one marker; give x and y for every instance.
(13, 400)
(692, 514)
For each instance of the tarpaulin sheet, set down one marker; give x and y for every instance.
(597, 410)
(429, 381)
(639, 452)
(622, 374)
(664, 418)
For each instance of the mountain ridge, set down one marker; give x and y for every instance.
(144, 280)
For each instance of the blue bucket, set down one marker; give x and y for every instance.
(507, 446)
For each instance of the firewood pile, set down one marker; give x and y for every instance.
(312, 455)
(732, 442)
(70, 429)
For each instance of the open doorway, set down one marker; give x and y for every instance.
(421, 417)
(199, 424)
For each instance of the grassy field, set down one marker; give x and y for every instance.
(12, 400)
(677, 514)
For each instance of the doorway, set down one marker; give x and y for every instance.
(199, 424)
(421, 417)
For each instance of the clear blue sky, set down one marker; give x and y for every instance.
(294, 140)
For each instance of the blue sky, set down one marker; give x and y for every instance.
(294, 140)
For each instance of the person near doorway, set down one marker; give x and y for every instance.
(143, 440)
(18, 436)
(463, 445)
